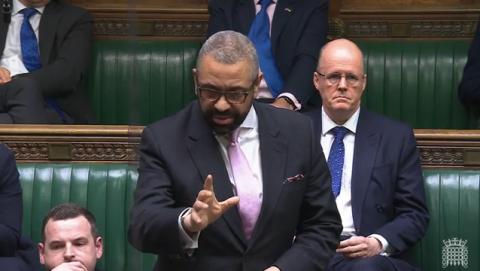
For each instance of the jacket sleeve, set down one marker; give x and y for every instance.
(469, 88)
(11, 204)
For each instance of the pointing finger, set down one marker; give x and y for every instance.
(208, 184)
(229, 203)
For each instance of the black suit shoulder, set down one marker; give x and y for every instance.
(385, 124)
(178, 122)
(69, 10)
(282, 118)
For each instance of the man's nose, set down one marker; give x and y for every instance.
(222, 104)
(342, 84)
(69, 254)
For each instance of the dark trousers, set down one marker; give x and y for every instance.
(375, 263)
(22, 102)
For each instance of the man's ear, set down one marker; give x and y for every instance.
(316, 82)
(364, 83)
(99, 247)
(194, 75)
(256, 84)
(41, 252)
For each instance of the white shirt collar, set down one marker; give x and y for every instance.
(18, 6)
(247, 127)
(350, 124)
(251, 120)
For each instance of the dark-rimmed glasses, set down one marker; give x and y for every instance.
(334, 78)
(232, 96)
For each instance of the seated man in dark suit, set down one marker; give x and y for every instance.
(231, 184)
(70, 240)
(376, 172)
(17, 253)
(287, 35)
(45, 47)
(469, 88)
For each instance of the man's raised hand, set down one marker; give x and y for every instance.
(206, 208)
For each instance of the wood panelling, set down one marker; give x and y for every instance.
(142, 4)
(348, 18)
(408, 18)
(409, 4)
(97, 143)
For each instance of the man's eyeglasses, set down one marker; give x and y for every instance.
(232, 96)
(334, 78)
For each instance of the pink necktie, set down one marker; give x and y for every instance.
(250, 201)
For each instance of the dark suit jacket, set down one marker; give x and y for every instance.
(65, 35)
(299, 30)
(388, 196)
(176, 155)
(469, 88)
(11, 202)
(16, 252)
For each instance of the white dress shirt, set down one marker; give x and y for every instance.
(250, 145)
(344, 199)
(12, 53)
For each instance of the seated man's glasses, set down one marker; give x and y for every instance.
(234, 96)
(334, 78)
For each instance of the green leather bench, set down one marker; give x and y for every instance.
(414, 81)
(138, 82)
(452, 241)
(106, 189)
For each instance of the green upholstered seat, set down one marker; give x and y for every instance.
(105, 189)
(416, 81)
(453, 198)
(453, 237)
(138, 82)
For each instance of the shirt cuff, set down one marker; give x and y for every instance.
(384, 242)
(289, 95)
(14, 65)
(188, 243)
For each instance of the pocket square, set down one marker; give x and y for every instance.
(295, 178)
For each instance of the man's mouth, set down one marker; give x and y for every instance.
(222, 119)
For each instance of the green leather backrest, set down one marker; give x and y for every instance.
(105, 189)
(453, 198)
(416, 81)
(139, 82)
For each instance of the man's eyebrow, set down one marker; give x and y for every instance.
(55, 242)
(80, 238)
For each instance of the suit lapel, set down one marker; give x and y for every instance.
(273, 152)
(205, 153)
(47, 29)
(283, 11)
(365, 150)
(3, 34)
(245, 12)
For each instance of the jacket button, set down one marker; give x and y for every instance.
(379, 208)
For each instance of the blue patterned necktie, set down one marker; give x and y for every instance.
(28, 41)
(260, 36)
(336, 158)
